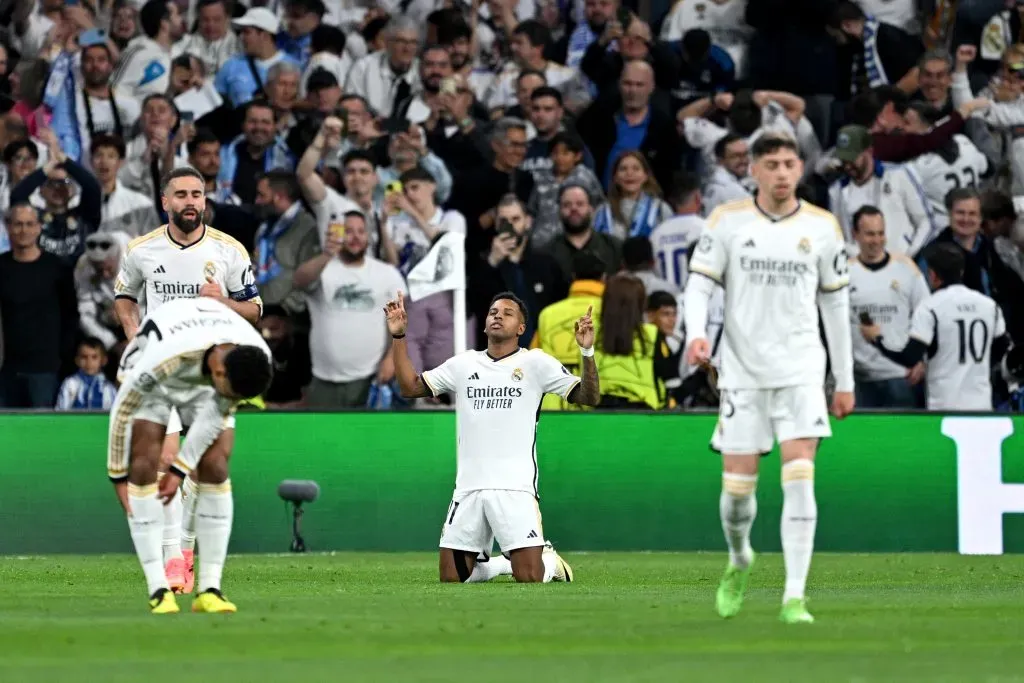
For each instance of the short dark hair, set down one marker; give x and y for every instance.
(321, 79)
(258, 103)
(961, 194)
(537, 33)
(314, 6)
(661, 299)
(531, 72)
(866, 210)
(865, 107)
(12, 149)
(637, 252)
(696, 43)
(203, 136)
(159, 96)
(947, 261)
(995, 205)
(206, 3)
(358, 155)
(327, 38)
(248, 370)
(452, 28)
(93, 343)
(152, 15)
(509, 296)
(572, 141)
(769, 143)
(546, 91)
(284, 182)
(684, 185)
(20, 205)
(101, 140)
(354, 214)
(846, 11)
(724, 142)
(588, 266)
(182, 172)
(417, 174)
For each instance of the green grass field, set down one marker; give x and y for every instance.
(628, 617)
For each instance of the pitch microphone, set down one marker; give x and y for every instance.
(298, 491)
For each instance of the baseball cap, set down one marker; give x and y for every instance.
(261, 18)
(851, 142)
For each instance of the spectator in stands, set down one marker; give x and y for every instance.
(638, 261)
(282, 94)
(323, 92)
(556, 322)
(634, 206)
(597, 14)
(636, 125)
(327, 45)
(124, 22)
(292, 373)
(257, 150)
(286, 239)
(302, 17)
(529, 39)
(546, 115)
(935, 78)
(567, 168)
(388, 77)
(878, 54)
(123, 209)
(65, 225)
(603, 66)
(88, 389)
(145, 66)
(349, 344)
(527, 82)
(243, 77)
(38, 312)
(673, 240)
(891, 188)
(435, 70)
(512, 265)
(731, 170)
(204, 156)
(705, 69)
(725, 21)
(187, 73)
(214, 43)
(576, 209)
(626, 337)
(98, 107)
(154, 151)
(94, 282)
(20, 158)
(407, 151)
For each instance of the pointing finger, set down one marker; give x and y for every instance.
(590, 309)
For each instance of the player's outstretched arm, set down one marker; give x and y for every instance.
(588, 392)
(127, 311)
(410, 383)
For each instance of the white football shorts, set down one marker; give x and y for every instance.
(478, 518)
(751, 420)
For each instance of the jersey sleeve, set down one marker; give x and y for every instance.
(241, 281)
(130, 281)
(922, 324)
(441, 380)
(833, 267)
(709, 256)
(555, 378)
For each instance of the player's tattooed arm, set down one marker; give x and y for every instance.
(588, 391)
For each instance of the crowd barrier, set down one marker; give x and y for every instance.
(885, 483)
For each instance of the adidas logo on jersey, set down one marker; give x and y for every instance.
(159, 270)
(749, 243)
(820, 422)
(475, 375)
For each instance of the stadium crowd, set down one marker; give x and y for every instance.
(577, 144)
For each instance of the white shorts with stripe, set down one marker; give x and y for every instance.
(476, 519)
(751, 420)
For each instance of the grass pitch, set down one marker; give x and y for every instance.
(628, 617)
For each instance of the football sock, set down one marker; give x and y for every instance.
(172, 527)
(485, 571)
(146, 526)
(214, 514)
(189, 499)
(738, 508)
(799, 520)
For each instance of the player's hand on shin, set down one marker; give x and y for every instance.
(585, 330)
(211, 289)
(397, 319)
(168, 486)
(842, 404)
(698, 352)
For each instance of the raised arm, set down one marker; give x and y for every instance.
(588, 391)
(410, 383)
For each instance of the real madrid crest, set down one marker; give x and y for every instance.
(895, 285)
(804, 246)
(517, 375)
(209, 270)
(886, 188)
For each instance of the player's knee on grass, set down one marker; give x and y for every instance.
(528, 565)
(147, 443)
(455, 566)
(213, 467)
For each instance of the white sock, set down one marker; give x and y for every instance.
(146, 526)
(799, 520)
(172, 528)
(214, 514)
(485, 571)
(189, 499)
(738, 508)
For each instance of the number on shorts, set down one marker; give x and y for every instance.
(727, 408)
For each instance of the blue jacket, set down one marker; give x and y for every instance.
(276, 156)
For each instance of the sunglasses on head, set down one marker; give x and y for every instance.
(99, 245)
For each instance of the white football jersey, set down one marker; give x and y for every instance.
(958, 325)
(724, 20)
(938, 176)
(672, 240)
(772, 270)
(889, 292)
(156, 269)
(497, 404)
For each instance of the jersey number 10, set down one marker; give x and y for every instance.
(970, 343)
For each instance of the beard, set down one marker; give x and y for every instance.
(187, 225)
(576, 227)
(350, 256)
(432, 84)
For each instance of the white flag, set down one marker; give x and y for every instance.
(442, 269)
